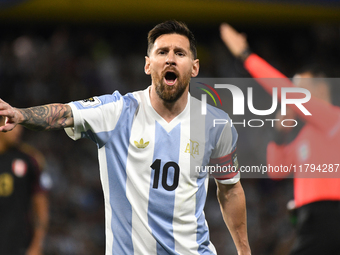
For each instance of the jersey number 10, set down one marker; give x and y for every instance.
(156, 165)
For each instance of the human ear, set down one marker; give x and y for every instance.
(147, 65)
(195, 68)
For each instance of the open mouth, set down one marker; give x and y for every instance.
(170, 78)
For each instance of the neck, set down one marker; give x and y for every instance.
(168, 111)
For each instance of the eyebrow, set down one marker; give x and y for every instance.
(176, 48)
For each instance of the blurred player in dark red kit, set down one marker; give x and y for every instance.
(316, 144)
(23, 201)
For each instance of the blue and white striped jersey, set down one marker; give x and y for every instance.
(153, 198)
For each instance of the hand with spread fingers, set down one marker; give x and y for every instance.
(9, 117)
(235, 41)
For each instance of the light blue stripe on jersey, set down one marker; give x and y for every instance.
(203, 238)
(162, 201)
(116, 154)
(100, 138)
(234, 136)
(214, 133)
(122, 212)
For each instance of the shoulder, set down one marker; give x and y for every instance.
(108, 104)
(99, 101)
(104, 100)
(217, 113)
(211, 111)
(214, 118)
(217, 123)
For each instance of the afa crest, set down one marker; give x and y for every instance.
(192, 148)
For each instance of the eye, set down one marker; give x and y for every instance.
(161, 52)
(180, 53)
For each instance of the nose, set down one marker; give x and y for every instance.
(170, 60)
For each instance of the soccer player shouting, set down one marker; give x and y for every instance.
(153, 202)
(316, 146)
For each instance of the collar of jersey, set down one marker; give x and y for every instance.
(185, 114)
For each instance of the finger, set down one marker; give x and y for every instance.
(232, 34)
(4, 105)
(224, 28)
(229, 35)
(7, 127)
(7, 113)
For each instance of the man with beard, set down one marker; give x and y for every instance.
(153, 202)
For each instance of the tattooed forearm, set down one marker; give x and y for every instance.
(47, 117)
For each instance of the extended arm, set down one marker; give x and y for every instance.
(46, 117)
(236, 42)
(233, 207)
(322, 117)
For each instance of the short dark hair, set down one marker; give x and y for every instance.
(172, 27)
(320, 72)
(317, 70)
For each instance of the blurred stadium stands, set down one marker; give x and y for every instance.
(59, 51)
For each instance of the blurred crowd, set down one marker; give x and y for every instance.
(40, 65)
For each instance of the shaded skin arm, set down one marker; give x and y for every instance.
(45, 117)
(41, 217)
(233, 206)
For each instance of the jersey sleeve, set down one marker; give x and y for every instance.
(224, 157)
(96, 117)
(323, 115)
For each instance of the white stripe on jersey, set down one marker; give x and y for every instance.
(185, 222)
(108, 211)
(138, 184)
